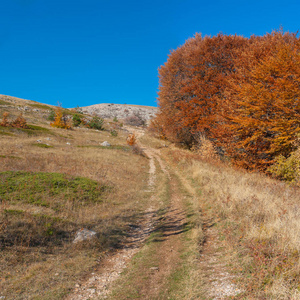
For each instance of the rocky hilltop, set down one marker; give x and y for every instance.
(104, 110)
(120, 111)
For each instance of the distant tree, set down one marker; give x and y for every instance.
(61, 120)
(96, 123)
(77, 120)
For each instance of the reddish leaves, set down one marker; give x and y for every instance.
(19, 122)
(242, 94)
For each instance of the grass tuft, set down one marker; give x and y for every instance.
(41, 145)
(40, 106)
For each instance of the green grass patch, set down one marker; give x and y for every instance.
(41, 145)
(9, 156)
(49, 189)
(39, 128)
(2, 102)
(6, 133)
(33, 130)
(40, 106)
(13, 211)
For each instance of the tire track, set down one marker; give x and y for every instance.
(100, 284)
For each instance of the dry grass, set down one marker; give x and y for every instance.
(205, 149)
(258, 221)
(49, 268)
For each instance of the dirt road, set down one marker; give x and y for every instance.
(160, 258)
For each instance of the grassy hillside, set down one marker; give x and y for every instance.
(170, 223)
(252, 223)
(53, 182)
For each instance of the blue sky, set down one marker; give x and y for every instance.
(108, 51)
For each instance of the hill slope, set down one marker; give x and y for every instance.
(120, 111)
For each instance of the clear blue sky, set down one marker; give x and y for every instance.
(83, 52)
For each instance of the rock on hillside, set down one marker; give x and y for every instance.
(121, 111)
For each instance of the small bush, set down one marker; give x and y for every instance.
(205, 148)
(287, 168)
(135, 120)
(77, 120)
(115, 119)
(157, 129)
(19, 122)
(51, 116)
(5, 122)
(61, 119)
(114, 133)
(96, 123)
(131, 139)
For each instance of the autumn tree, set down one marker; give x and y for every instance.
(242, 94)
(192, 86)
(60, 120)
(266, 118)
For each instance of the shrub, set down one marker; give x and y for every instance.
(131, 139)
(287, 168)
(61, 120)
(77, 120)
(135, 120)
(115, 119)
(157, 129)
(96, 123)
(114, 133)
(205, 148)
(19, 122)
(51, 116)
(5, 122)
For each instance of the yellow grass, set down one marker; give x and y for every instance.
(44, 272)
(258, 219)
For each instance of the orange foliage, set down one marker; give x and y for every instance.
(266, 116)
(60, 120)
(242, 94)
(131, 139)
(192, 86)
(5, 122)
(19, 122)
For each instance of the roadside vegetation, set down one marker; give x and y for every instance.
(256, 220)
(242, 94)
